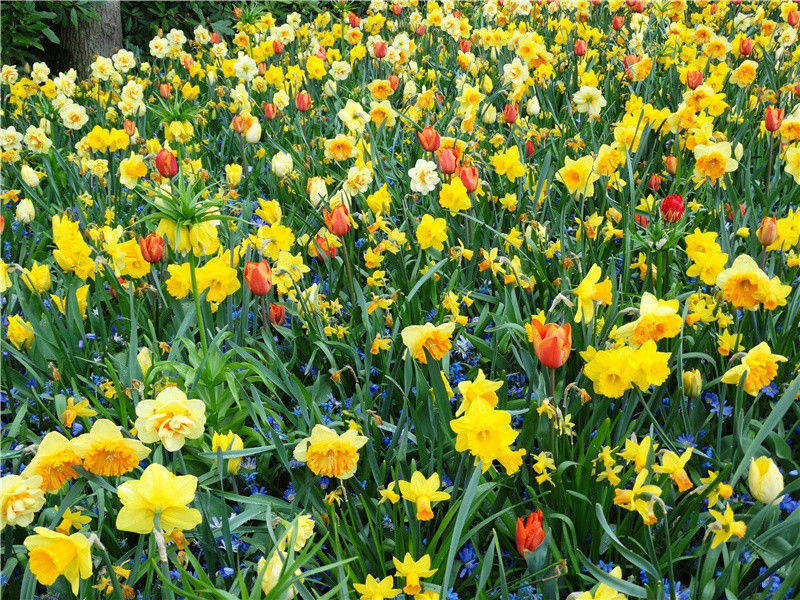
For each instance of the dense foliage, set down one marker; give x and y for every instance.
(443, 300)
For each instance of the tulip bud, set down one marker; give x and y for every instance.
(277, 314)
(25, 212)
(767, 231)
(641, 220)
(152, 247)
(654, 183)
(580, 47)
(692, 383)
(215, 39)
(618, 22)
(529, 533)
(394, 82)
(144, 359)
(469, 177)
(671, 164)
(258, 276)
(447, 161)
(745, 46)
(277, 46)
(672, 208)
(262, 68)
(764, 479)
(465, 45)
(2, 224)
(337, 220)
(302, 101)
(510, 113)
(397, 9)
(129, 127)
(270, 110)
(253, 133)
(773, 117)
(429, 139)
(694, 79)
(166, 164)
(529, 148)
(164, 89)
(353, 19)
(420, 30)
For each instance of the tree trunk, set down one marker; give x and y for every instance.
(91, 37)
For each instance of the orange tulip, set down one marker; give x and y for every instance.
(773, 117)
(337, 220)
(551, 342)
(258, 276)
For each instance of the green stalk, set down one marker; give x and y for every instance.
(197, 307)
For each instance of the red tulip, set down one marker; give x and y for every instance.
(551, 342)
(580, 47)
(420, 30)
(654, 183)
(164, 89)
(529, 533)
(447, 161)
(465, 45)
(354, 19)
(379, 49)
(337, 220)
(618, 22)
(529, 148)
(277, 46)
(258, 276)
(694, 79)
(672, 208)
(510, 113)
(745, 46)
(394, 82)
(302, 101)
(215, 39)
(429, 139)
(641, 220)
(277, 314)
(773, 117)
(469, 177)
(793, 18)
(166, 164)
(2, 224)
(152, 247)
(397, 9)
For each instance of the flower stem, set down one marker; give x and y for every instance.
(197, 307)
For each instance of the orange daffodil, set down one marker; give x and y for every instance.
(758, 368)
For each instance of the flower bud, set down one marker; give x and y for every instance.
(152, 247)
(447, 161)
(694, 79)
(302, 101)
(277, 314)
(745, 46)
(337, 220)
(580, 47)
(258, 276)
(469, 177)
(764, 479)
(671, 164)
(270, 110)
(510, 113)
(773, 117)
(767, 231)
(654, 183)
(25, 212)
(166, 164)
(692, 383)
(379, 49)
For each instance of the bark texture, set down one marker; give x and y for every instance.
(91, 37)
